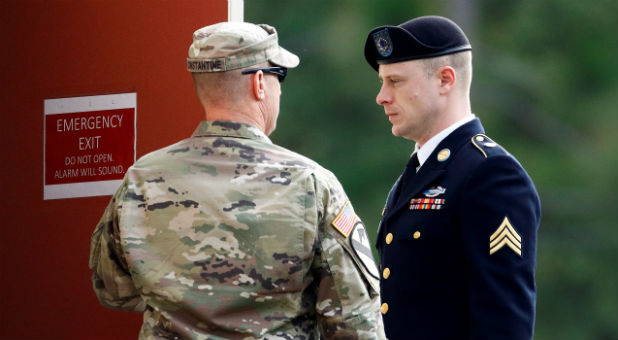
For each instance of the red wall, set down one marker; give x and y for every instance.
(67, 48)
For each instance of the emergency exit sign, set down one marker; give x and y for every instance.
(89, 144)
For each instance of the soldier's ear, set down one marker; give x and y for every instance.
(446, 74)
(258, 85)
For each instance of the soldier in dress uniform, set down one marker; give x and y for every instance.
(458, 236)
(225, 235)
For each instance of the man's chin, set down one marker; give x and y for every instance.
(398, 133)
(395, 131)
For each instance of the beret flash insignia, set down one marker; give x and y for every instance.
(383, 42)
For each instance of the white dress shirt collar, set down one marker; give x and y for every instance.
(425, 151)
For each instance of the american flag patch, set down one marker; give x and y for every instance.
(344, 222)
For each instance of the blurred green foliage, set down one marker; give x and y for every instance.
(545, 87)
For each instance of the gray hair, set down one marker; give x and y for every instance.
(216, 88)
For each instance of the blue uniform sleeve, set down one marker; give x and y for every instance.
(500, 215)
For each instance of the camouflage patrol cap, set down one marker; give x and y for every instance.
(228, 46)
(419, 38)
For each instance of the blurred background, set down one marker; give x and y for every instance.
(545, 88)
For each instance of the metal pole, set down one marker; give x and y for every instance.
(235, 10)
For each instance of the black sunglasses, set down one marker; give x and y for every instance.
(281, 72)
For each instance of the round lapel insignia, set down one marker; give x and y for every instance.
(444, 154)
(479, 138)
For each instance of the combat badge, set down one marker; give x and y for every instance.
(344, 222)
(435, 191)
(505, 235)
(360, 243)
(383, 42)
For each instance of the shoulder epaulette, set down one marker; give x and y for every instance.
(484, 144)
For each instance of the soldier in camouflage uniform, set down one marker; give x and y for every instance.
(226, 235)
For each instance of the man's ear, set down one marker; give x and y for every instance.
(259, 87)
(446, 74)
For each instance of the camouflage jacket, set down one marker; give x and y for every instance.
(226, 235)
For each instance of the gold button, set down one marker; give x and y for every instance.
(389, 238)
(386, 273)
(417, 235)
(479, 138)
(384, 308)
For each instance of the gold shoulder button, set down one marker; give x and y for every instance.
(384, 308)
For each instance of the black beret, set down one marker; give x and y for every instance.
(419, 38)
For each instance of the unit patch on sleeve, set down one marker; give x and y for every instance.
(362, 247)
(505, 235)
(344, 222)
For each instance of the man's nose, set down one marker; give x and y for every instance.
(384, 96)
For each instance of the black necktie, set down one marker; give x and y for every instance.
(413, 163)
(408, 176)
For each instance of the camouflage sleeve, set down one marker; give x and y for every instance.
(347, 278)
(111, 280)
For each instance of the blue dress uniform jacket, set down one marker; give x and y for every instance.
(457, 246)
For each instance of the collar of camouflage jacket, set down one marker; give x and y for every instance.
(229, 129)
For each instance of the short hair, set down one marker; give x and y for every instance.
(461, 62)
(216, 88)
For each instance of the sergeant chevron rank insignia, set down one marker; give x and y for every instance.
(505, 235)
